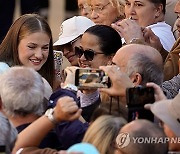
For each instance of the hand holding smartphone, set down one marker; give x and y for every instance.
(88, 78)
(137, 97)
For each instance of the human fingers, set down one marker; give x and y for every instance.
(117, 28)
(65, 109)
(76, 115)
(148, 106)
(158, 93)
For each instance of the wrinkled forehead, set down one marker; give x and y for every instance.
(81, 2)
(99, 2)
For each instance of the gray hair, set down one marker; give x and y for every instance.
(8, 134)
(21, 91)
(149, 70)
(145, 129)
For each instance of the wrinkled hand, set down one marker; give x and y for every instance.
(119, 81)
(128, 29)
(66, 109)
(152, 39)
(70, 75)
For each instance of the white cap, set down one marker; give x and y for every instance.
(72, 28)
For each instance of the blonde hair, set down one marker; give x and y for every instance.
(103, 131)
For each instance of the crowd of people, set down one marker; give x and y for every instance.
(130, 41)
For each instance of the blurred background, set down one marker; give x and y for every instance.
(54, 10)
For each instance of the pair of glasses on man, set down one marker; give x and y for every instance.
(99, 9)
(88, 54)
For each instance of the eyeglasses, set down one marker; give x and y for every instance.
(99, 9)
(88, 54)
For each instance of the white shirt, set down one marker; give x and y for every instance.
(163, 31)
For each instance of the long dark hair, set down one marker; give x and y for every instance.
(23, 26)
(109, 39)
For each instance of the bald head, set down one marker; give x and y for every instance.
(137, 125)
(143, 128)
(142, 59)
(128, 51)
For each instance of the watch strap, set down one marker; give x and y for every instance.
(50, 116)
(136, 41)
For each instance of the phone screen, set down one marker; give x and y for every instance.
(91, 78)
(2, 149)
(136, 99)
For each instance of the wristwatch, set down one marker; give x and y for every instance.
(136, 41)
(50, 116)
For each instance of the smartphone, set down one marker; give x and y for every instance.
(2, 149)
(136, 98)
(88, 78)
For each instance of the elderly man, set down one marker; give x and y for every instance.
(136, 64)
(142, 63)
(138, 131)
(23, 93)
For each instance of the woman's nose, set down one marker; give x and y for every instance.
(39, 54)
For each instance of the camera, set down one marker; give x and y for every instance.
(88, 78)
(136, 98)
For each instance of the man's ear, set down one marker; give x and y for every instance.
(110, 59)
(159, 10)
(136, 79)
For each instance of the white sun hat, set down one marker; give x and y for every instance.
(72, 28)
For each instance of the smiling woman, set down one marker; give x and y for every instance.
(142, 15)
(29, 43)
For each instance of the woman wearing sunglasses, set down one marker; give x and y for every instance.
(70, 34)
(98, 45)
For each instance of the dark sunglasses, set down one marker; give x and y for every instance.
(88, 54)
